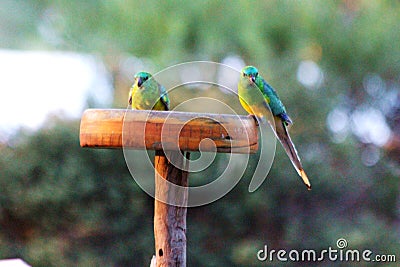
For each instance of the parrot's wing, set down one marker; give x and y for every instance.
(163, 96)
(130, 97)
(268, 89)
(284, 137)
(276, 105)
(285, 118)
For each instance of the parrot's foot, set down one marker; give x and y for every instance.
(255, 119)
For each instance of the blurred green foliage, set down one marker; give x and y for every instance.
(61, 205)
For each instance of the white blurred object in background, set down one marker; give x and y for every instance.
(13, 263)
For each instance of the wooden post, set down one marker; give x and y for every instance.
(170, 221)
(141, 130)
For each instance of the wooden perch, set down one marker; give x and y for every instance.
(140, 129)
(169, 130)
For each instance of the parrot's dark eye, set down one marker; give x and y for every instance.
(145, 78)
(244, 74)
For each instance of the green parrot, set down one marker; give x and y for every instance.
(250, 100)
(146, 93)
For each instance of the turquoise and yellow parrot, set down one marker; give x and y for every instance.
(251, 101)
(147, 94)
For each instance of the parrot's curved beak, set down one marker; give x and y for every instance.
(139, 82)
(252, 79)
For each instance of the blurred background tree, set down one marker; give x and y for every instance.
(336, 66)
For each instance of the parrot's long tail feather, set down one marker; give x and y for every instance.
(284, 137)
